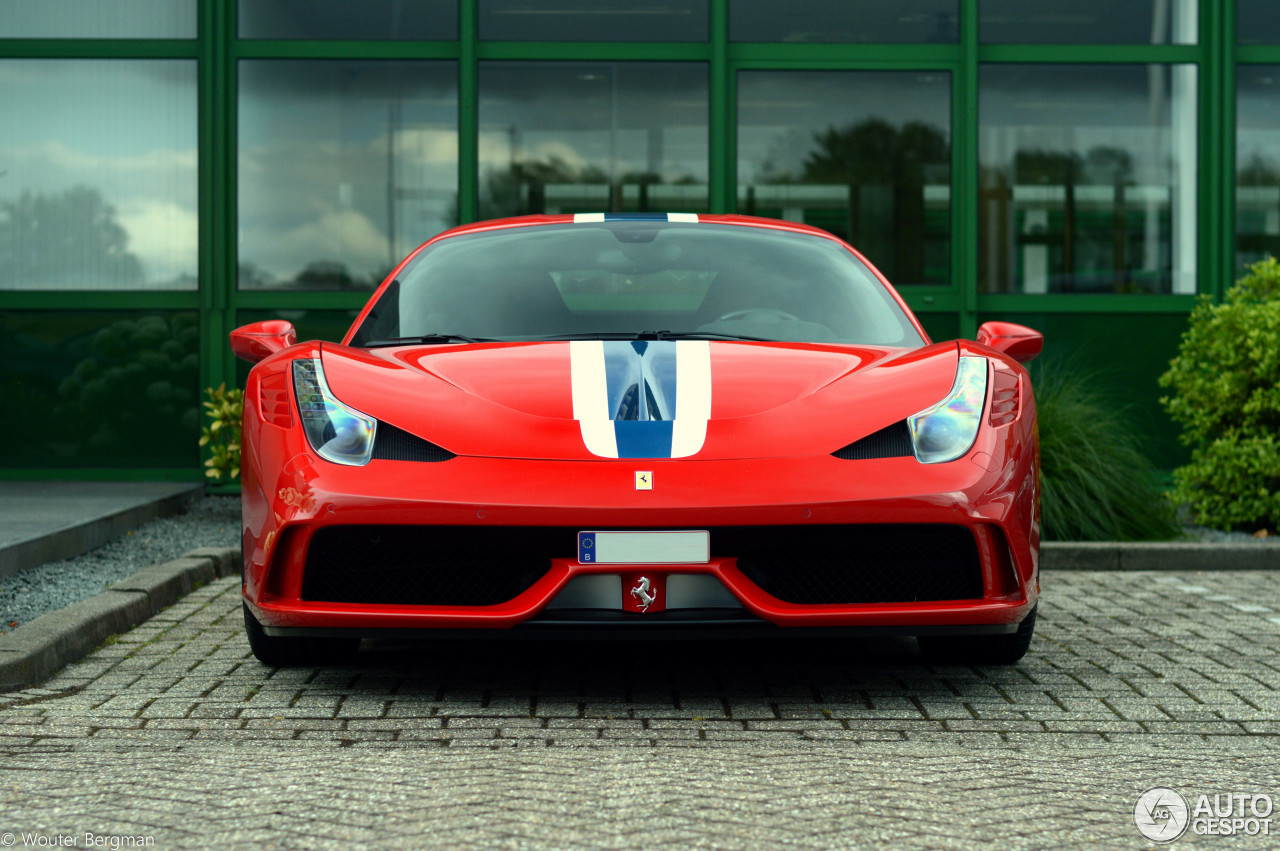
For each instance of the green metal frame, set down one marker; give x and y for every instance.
(217, 50)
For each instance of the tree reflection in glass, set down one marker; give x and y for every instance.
(98, 174)
(863, 154)
(1087, 177)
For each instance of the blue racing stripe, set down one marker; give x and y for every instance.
(635, 217)
(643, 439)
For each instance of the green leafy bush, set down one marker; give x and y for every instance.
(1096, 485)
(1226, 397)
(222, 435)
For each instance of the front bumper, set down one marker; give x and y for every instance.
(992, 502)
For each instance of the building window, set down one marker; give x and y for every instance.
(920, 21)
(1088, 21)
(1257, 22)
(863, 154)
(98, 175)
(593, 20)
(369, 20)
(344, 167)
(98, 19)
(1088, 178)
(564, 137)
(110, 388)
(1257, 163)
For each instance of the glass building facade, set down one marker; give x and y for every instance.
(171, 169)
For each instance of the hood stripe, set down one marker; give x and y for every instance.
(591, 218)
(591, 397)
(591, 364)
(693, 397)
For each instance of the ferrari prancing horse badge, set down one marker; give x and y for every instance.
(644, 480)
(642, 594)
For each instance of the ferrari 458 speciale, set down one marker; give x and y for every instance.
(638, 425)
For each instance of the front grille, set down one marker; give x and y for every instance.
(485, 566)
(815, 565)
(890, 442)
(428, 565)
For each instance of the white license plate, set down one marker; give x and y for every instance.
(644, 547)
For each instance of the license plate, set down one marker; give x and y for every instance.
(644, 547)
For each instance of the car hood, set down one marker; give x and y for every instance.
(591, 400)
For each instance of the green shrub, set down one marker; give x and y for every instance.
(1096, 485)
(222, 435)
(1226, 397)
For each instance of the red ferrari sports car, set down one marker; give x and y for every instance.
(640, 425)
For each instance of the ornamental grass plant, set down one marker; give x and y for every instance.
(1096, 483)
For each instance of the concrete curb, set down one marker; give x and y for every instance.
(80, 537)
(34, 653)
(1173, 555)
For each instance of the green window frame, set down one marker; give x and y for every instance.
(217, 49)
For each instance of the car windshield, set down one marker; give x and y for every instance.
(617, 279)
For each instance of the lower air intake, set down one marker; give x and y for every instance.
(815, 565)
(428, 565)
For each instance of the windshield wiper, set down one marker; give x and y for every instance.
(655, 335)
(708, 335)
(426, 339)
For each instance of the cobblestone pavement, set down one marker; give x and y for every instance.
(1134, 680)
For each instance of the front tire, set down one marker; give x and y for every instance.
(981, 649)
(290, 651)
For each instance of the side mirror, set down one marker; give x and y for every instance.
(1017, 341)
(262, 339)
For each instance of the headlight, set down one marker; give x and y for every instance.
(337, 432)
(945, 431)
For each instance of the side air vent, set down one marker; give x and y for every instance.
(1006, 402)
(395, 444)
(273, 399)
(891, 442)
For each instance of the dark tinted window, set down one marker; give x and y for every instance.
(1088, 21)
(633, 276)
(1258, 22)
(593, 20)
(343, 19)
(921, 21)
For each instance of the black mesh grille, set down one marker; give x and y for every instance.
(891, 442)
(429, 565)
(395, 444)
(484, 566)
(813, 565)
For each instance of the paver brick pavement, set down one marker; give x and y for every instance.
(173, 731)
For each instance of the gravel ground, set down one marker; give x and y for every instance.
(210, 522)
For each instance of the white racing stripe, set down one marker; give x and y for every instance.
(591, 397)
(587, 218)
(686, 218)
(693, 397)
